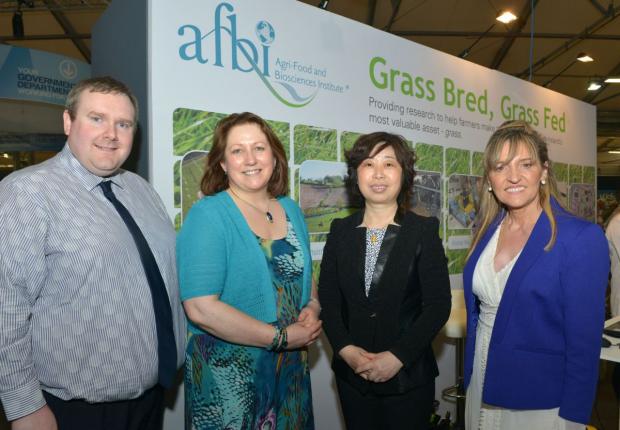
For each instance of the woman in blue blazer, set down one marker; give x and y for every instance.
(534, 288)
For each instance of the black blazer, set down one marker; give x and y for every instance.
(409, 299)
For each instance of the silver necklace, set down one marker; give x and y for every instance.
(267, 213)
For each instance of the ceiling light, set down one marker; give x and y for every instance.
(506, 17)
(613, 80)
(594, 85)
(584, 58)
(613, 152)
(581, 57)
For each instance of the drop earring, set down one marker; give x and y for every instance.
(543, 182)
(490, 189)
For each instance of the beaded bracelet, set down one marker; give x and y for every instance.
(276, 339)
(284, 341)
(280, 340)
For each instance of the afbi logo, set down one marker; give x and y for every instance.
(222, 46)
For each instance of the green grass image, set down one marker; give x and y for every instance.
(560, 170)
(193, 130)
(456, 260)
(316, 271)
(318, 237)
(457, 161)
(282, 130)
(589, 175)
(177, 183)
(178, 220)
(347, 139)
(296, 183)
(575, 174)
(477, 163)
(442, 225)
(430, 157)
(192, 169)
(313, 143)
(320, 223)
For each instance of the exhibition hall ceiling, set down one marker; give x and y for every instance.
(562, 29)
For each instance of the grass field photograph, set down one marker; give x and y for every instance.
(463, 199)
(426, 199)
(581, 200)
(314, 143)
(322, 194)
(192, 169)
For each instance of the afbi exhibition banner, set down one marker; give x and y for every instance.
(322, 80)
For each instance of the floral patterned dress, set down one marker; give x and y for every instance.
(229, 386)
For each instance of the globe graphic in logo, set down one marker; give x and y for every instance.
(265, 32)
(68, 69)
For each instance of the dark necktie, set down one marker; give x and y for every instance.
(166, 347)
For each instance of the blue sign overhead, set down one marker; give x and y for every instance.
(28, 74)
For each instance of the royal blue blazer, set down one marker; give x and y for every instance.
(546, 341)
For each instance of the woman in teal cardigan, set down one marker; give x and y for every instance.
(245, 276)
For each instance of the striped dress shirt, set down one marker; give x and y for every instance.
(76, 316)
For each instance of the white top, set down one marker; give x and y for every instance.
(613, 237)
(488, 286)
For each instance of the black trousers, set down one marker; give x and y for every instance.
(144, 413)
(410, 410)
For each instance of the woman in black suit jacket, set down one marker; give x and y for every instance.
(385, 292)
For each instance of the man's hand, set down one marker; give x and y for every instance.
(380, 367)
(41, 419)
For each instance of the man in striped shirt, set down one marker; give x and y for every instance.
(78, 335)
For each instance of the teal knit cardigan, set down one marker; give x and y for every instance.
(217, 253)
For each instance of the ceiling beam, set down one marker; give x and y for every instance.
(598, 7)
(516, 28)
(608, 123)
(5, 39)
(74, 8)
(395, 7)
(69, 30)
(372, 7)
(592, 28)
(604, 146)
(609, 144)
(497, 34)
(613, 96)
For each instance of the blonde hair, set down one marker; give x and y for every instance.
(515, 134)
